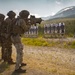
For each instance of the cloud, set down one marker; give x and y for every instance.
(36, 15)
(58, 2)
(52, 14)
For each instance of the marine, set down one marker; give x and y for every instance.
(20, 26)
(2, 41)
(8, 25)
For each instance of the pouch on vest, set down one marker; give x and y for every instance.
(19, 27)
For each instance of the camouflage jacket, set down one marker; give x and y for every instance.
(7, 27)
(20, 26)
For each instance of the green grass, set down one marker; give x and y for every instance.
(35, 41)
(49, 43)
(72, 44)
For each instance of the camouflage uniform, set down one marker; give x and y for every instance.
(8, 24)
(1, 42)
(16, 40)
(19, 28)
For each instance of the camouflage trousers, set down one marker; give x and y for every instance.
(6, 50)
(19, 50)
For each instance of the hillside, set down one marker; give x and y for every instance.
(68, 12)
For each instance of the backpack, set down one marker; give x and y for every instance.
(19, 26)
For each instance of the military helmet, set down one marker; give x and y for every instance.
(24, 13)
(11, 13)
(2, 16)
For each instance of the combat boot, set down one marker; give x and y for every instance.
(23, 64)
(20, 70)
(10, 63)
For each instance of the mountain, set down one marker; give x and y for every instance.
(68, 12)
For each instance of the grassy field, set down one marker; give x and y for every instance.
(59, 42)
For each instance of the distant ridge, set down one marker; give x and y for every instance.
(68, 12)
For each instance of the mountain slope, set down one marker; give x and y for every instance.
(68, 12)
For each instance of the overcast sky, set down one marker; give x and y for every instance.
(40, 8)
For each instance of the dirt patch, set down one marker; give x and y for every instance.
(44, 61)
